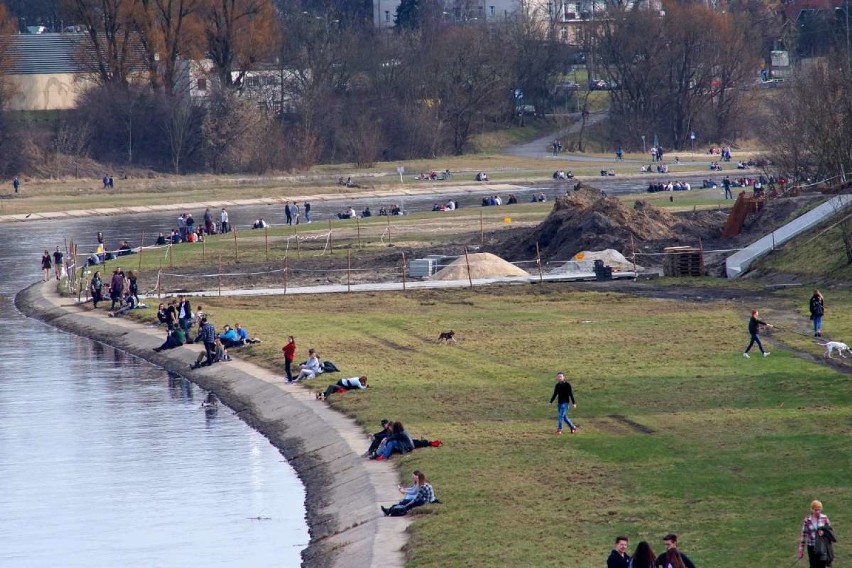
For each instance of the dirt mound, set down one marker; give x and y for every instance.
(584, 261)
(584, 219)
(482, 265)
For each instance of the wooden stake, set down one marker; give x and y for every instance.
(481, 228)
(141, 247)
(285, 274)
(203, 250)
(266, 238)
(349, 271)
(358, 227)
(298, 246)
(633, 254)
(236, 247)
(538, 261)
(220, 274)
(467, 262)
(171, 256)
(389, 230)
(403, 271)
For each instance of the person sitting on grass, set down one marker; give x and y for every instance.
(310, 368)
(425, 494)
(175, 338)
(229, 338)
(343, 385)
(399, 441)
(377, 438)
(128, 304)
(244, 335)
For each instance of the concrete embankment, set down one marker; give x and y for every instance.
(343, 490)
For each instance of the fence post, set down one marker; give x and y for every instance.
(389, 231)
(538, 261)
(285, 274)
(171, 256)
(358, 226)
(481, 229)
(403, 271)
(298, 246)
(467, 262)
(633, 255)
(236, 247)
(203, 250)
(220, 274)
(141, 247)
(349, 271)
(266, 238)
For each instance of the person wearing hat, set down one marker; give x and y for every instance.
(754, 330)
(376, 439)
(670, 542)
(813, 523)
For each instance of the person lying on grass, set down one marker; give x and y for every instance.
(419, 494)
(343, 385)
(380, 440)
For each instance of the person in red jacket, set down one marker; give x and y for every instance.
(289, 354)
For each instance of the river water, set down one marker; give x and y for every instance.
(106, 460)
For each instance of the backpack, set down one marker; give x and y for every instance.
(329, 367)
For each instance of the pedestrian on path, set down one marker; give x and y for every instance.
(813, 524)
(726, 183)
(754, 331)
(565, 395)
(46, 265)
(817, 309)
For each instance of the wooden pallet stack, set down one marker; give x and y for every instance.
(683, 261)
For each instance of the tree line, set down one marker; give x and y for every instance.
(339, 90)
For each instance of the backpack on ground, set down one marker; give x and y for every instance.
(329, 367)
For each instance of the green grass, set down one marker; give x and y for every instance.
(816, 254)
(737, 448)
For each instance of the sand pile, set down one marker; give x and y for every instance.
(482, 265)
(585, 262)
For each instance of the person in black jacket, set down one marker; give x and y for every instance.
(670, 542)
(562, 391)
(817, 309)
(619, 558)
(754, 330)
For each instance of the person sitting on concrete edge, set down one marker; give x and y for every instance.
(174, 338)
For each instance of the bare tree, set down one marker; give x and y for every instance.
(169, 30)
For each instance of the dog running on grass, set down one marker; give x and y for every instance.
(832, 345)
(447, 337)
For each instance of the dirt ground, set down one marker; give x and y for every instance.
(583, 219)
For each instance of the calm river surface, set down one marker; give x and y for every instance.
(106, 460)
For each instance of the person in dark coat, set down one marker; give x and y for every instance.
(562, 390)
(817, 309)
(619, 558)
(754, 331)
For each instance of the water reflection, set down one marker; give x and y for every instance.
(106, 460)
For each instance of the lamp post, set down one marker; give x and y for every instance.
(643, 144)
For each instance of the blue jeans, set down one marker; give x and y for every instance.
(389, 448)
(754, 339)
(562, 416)
(817, 324)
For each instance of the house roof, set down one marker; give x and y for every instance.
(42, 54)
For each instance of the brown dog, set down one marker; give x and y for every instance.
(447, 336)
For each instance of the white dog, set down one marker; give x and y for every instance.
(832, 345)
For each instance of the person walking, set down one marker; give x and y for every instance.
(619, 558)
(16, 183)
(754, 331)
(671, 556)
(307, 208)
(288, 213)
(289, 351)
(57, 262)
(814, 522)
(565, 395)
(817, 308)
(46, 265)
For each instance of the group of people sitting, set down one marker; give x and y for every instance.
(562, 174)
(435, 176)
(450, 205)
(605, 173)
(481, 176)
(715, 167)
(259, 224)
(392, 210)
(654, 187)
(350, 214)
(393, 438)
(419, 493)
(490, 200)
(660, 168)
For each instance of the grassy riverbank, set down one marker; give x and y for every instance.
(677, 431)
